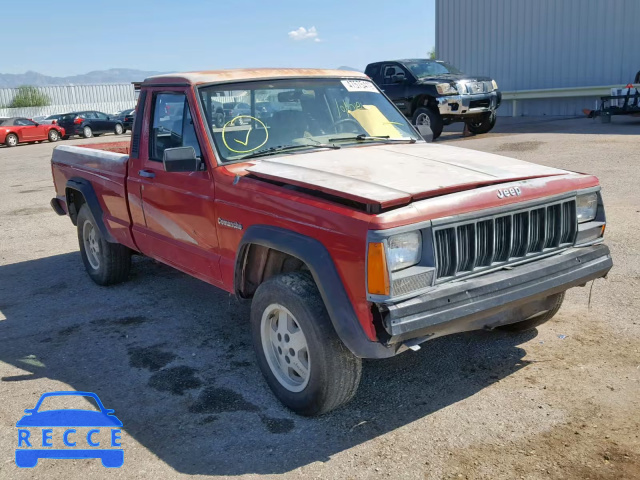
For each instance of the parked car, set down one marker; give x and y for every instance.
(89, 124)
(434, 93)
(23, 130)
(47, 119)
(126, 117)
(352, 237)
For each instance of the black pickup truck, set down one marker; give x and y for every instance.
(431, 92)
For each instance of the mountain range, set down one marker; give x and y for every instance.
(113, 75)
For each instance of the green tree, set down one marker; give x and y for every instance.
(432, 54)
(29, 96)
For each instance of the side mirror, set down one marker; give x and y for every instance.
(180, 159)
(36, 124)
(425, 132)
(398, 78)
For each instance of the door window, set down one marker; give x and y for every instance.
(389, 71)
(172, 125)
(23, 122)
(101, 116)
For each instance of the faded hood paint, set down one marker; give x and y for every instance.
(394, 175)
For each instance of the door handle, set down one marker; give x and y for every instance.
(146, 174)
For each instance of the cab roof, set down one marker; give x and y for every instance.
(245, 74)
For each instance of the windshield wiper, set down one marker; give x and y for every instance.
(285, 148)
(363, 138)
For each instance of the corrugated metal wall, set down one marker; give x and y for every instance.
(533, 44)
(108, 98)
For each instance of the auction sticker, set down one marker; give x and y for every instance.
(359, 86)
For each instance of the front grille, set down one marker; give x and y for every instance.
(482, 243)
(472, 88)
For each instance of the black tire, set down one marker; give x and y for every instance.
(54, 135)
(113, 259)
(11, 140)
(65, 137)
(87, 132)
(482, 124)
(428, 116)
(219, 120)
(537, 320)
(118, 129)
(334, 372)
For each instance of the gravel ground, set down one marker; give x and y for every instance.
(172, 355)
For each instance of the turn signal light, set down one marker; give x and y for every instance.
(377, 273)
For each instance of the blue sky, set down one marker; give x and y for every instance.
(76, 37)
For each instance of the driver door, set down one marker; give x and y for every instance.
(178, 208)
(395, 89)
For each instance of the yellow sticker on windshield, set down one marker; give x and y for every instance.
(239, 139)
(374, 122)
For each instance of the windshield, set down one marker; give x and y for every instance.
(255, 118)
(430, 68)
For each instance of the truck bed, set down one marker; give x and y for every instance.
(103, 166)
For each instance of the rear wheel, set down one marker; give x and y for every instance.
(106, 263)
(11, 140)
(306, 365)
(118, 129)
(482, 124)
(87, 132)
(429, 117)
(54, 136)
(538, 319)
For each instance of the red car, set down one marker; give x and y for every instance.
(352, 236)
(20, 130)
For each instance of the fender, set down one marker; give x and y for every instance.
(329, 283)
(86, 189)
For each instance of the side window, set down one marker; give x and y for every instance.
(88, 115)
(23, 122)
(172, 125)
(101, 116)
(374, 73)
(388, 71)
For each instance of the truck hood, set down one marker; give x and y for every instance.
(385, 176)
(453, 77)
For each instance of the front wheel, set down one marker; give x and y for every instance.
(54, 136)
(11, 140)
(429, 117)
(106, 263)
(306, 365)
(483, 124)
(87, 132)
(118, 129)
(538, 319)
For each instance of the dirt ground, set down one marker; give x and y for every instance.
(172, 355)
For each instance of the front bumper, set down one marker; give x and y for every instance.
(494, 299)
(469, 105)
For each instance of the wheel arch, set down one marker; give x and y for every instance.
(424, 100)
(315, 258)
(79, 191)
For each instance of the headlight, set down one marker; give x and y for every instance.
(494, 84)
(586, 207)
(446, 89)
(404, 250)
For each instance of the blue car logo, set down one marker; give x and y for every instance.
(32, 446)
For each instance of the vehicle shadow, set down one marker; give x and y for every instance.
(173, 357)
(620, 125)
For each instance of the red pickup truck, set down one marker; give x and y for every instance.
(352, 236)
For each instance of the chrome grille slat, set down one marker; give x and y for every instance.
(484, 242)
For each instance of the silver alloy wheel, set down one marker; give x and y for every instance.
(91, 244)
(53, 135)
(285, 347)
(13, 140)
(87, 132)
(118, 129)
(423, 119)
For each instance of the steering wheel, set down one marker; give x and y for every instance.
(347, 125)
